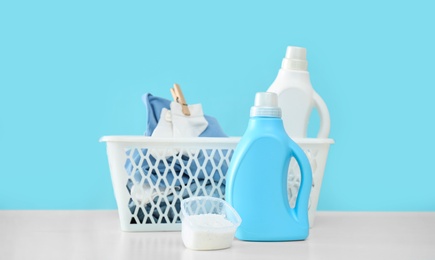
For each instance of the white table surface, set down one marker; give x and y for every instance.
(97, 235)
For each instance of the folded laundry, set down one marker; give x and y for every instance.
(154, 106)
(173, 123)
(152, 186)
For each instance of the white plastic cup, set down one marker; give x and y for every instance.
(208, 223)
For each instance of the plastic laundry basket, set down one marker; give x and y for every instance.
(151, 176)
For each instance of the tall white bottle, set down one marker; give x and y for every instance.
(296, 96)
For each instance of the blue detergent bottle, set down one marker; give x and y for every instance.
(256, 181)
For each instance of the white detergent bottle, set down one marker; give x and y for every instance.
(296, 96)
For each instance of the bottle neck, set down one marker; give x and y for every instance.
(294, 64)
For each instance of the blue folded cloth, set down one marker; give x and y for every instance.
(154, 106)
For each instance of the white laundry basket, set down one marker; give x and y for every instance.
(151, 176)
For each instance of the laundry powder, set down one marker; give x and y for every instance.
(207, 232)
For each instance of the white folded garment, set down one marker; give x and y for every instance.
(173, 123)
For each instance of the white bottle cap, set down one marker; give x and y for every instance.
(295, 59)
(266, 104)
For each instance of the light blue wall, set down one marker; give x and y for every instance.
(73, 71)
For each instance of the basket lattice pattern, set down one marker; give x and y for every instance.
(159, 178)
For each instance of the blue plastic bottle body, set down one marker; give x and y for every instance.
(256, 184)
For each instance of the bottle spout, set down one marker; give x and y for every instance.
(295, 59)
(266, 104)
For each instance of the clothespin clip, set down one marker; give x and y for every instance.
(178, 96)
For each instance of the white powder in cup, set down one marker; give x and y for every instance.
(207, 232)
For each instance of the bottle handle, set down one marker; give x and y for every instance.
(303, 197)
(325, 121)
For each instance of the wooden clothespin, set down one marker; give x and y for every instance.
(178, 96)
